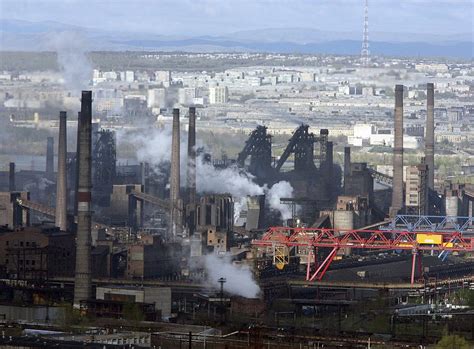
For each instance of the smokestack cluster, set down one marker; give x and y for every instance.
(175, 176)
(61, 184)
(50, 158)
(191, 170)
(429, 137)
(82, 284)
(397, 188)
(11, 177)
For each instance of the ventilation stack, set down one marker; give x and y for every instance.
(191, 168)
(429, 137)
(61, 184)
(11, 177)
(175, 177)
(50, 158)
(397, 188)
(82, 283)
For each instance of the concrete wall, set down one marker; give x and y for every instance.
(452, 205)
(161, 296)
(10, 312)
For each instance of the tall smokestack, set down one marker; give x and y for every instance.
(76, 184)
(61, 185)
(429, 137)
(191, 168)
(397, 188)
(329, 168)
(50, 158)
(82, 283)
(11, 177)
(347, 165)
(175, 174)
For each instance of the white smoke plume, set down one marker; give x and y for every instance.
(239, 279)
(154, 146)
(280, 190)
(229, 180)
(73, 63)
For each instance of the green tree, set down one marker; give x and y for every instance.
(452, 341)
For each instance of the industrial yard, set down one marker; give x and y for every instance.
(264, 188)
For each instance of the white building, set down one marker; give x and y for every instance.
(156, 98)
(108, 100)
(127, 76)
(363, 131)
(187, 95)
(163, 77)
(218, 95)
(307, 77)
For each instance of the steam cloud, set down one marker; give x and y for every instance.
(154, 146)
(239, 279)
(280, 190)
(72, 59)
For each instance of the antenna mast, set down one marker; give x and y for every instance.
(364, 53)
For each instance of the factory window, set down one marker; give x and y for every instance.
(27, 262)
(27, 243)
(6, 261)
(33, 262)
(21, 243)
(8, 243)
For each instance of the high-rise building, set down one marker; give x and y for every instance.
(163, 77)
(156, 98)
(128, 76)
(218, 95)
(187, 95)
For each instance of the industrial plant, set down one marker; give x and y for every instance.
(236, 174)
(302, 233)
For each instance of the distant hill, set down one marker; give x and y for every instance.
(36, 36)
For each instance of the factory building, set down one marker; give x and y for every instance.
(416, 184)
(11, 212)
(36, 253)
(153, 258)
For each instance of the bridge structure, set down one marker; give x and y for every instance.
(281, 240)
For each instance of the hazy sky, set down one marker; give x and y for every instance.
(214, 17)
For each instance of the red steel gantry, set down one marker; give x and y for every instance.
(284, 238)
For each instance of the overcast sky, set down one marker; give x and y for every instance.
(215, 17)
